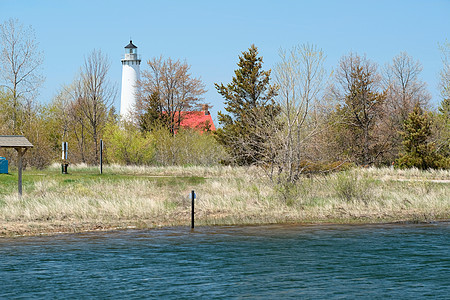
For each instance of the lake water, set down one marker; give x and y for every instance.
(264, 262)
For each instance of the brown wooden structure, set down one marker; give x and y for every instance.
(21, 144)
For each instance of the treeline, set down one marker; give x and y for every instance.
(295, 119)
(306, 121)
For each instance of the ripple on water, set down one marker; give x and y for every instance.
(339, 261)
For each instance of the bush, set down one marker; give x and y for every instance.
(431, 161)
(128, 146)
(187, 147)
(419, 151)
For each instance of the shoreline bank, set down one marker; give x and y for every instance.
(13, 230)
(152, 197)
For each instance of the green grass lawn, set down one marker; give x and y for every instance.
(87, 176)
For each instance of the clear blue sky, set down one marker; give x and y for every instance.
(211, 34)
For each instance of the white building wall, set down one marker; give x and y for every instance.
(130, 77)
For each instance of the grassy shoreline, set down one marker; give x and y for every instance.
(149, 197)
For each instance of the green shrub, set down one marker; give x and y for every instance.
(186, 147)
(419, 151)
(128, 146)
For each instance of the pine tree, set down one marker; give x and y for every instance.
(419, 151)
(251, 110)
(359, 92)
(151, 115)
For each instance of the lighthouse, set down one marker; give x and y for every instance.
(130, 78)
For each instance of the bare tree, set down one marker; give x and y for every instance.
(173, 85)
(405, 89)
(61, 112)
(300, 77)
(93, 94)
(20, 60)
(445, 72)
(442, 120)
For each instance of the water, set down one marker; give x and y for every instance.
(270, 262)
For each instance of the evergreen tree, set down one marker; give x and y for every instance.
(419, 151)
(245, 131)
(152, 114)
(361, 99)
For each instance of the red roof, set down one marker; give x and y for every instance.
(200, 120)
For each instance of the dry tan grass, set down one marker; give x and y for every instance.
(227, 196)
(412, 174)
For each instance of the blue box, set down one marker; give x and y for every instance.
(3, 165)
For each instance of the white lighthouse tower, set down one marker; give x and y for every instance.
(130, 77)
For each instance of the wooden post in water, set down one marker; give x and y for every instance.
(192, 209)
